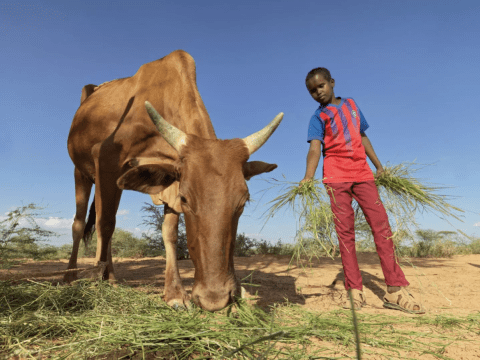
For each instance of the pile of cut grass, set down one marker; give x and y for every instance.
(403, 195)
(94, 320)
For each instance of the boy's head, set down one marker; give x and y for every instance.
(320, 85)
(321, 71)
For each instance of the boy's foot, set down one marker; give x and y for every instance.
(402, 300)
(358, 300)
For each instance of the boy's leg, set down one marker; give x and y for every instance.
(344, 218)
(366, 194)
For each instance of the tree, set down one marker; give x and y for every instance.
(244, 246)
(432, 243)
(153, 218)
(20, 236)
(124, 244)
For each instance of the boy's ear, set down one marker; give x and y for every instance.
(332, 82)
(252, 168)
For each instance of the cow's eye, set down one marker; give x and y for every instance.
(243, 201)
(183, 199)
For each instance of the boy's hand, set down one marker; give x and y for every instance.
(303, 180)
(380, 172)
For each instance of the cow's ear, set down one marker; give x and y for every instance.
(149, 178)
(252, 168)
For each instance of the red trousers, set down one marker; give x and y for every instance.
(366, 194)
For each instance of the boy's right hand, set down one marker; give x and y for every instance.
(303, 180)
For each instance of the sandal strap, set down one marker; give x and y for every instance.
(404, 299)
(359, 299)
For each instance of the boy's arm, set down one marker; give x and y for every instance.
(313, 157)
(371, 154)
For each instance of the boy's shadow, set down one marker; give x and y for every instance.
(370, 281)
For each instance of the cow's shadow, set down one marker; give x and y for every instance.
(149, 273)
(266, 288)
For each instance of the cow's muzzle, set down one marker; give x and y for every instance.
(216, 299)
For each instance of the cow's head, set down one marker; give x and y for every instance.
(212, 194)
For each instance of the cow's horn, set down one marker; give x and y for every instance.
(174, 136)
(255, 141)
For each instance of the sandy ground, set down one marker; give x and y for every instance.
(444, 286)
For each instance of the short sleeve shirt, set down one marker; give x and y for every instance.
(339, 128)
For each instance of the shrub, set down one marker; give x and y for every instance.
(431, 243)
(244, 246)
(21, 237)
(153, 218)
(125, 244)
(474, 246)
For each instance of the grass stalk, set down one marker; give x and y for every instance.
(94, 319)
(355, 325)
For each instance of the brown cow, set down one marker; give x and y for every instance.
(116, 145)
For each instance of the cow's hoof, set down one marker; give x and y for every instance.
(180, 304)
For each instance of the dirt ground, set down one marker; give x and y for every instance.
(444, 286)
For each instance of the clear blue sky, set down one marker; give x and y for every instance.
(412, 66)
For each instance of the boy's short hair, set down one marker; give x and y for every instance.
(320, 70)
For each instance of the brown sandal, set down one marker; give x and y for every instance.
(404, 301)
(358, 300)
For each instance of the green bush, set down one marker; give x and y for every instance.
(153, 218)
(431, 243)
(125, 244)
(265, 248)
(244, 246)
(474, 246)
(470, 247)
(21, 237)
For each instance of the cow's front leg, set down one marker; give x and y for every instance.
(175, 294)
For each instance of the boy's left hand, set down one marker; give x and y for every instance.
(379, 173)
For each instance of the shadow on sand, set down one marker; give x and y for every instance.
(265, 278)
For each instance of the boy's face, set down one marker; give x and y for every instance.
(321, 89)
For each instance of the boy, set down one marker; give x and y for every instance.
(339, 125)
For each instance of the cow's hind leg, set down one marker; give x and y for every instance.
(106, 213)
(107, 199)
(175, 294)
(83, 187)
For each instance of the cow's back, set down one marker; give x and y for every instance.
(117, 108)
(176, 96)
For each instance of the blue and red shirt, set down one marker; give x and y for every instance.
(339, 127)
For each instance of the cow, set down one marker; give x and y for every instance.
(119, 141)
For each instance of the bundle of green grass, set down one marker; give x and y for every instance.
(403, 196)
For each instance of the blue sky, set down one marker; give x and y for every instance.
(412, 66)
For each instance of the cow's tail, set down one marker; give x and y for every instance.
(90, 226)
